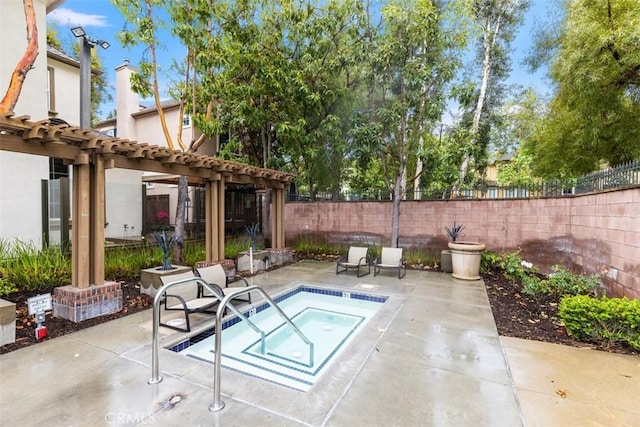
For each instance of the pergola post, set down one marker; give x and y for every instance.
(214, 219)
(88, 296)
(81, 228)
(220, 224)
(210, 215)
(277, 218)
(97, 197)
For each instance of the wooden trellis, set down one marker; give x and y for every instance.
(91, 154)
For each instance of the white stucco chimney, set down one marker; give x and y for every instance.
(127, 101)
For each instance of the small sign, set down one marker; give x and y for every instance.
(39, 303)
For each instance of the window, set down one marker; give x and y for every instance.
(186, 121)
(51, 90)
(54, 199)
(57, 170)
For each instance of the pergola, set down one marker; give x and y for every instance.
(91, 154)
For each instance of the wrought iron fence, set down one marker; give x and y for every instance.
(617, 177)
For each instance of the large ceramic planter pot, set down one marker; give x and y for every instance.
(465, 258)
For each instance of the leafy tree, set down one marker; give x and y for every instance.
(593, 117)
(53, 37)
(281, 83)
(143, 25)
(498, 21)
(410, 59)
(520, 116)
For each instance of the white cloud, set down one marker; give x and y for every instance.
(64, 16)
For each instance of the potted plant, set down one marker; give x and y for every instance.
(445, 256)
(164, 243)
(252, 231)
(465, 256)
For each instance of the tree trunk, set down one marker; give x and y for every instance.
(395, 216)
(489, 38)
(178, 234)
(25, 64)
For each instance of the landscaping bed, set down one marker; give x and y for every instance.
(516, 315)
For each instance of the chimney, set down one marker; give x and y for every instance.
(127, 101)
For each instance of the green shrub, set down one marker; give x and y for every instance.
(194, 251)
(418, 257)
(534, 286)
(489, 260)
(605, 320)
(561, 282)
(514, 267)
(310, 248)
(27, 268)
(126, 262)
(564, 283)
(235, 245)
(6, 287)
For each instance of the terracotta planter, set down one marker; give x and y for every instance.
(465, 258)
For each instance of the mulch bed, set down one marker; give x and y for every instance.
(516, 315)
(521, 316)
(133, 302)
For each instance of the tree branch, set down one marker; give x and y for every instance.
(25, 64)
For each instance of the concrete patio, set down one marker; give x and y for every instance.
(430, 357)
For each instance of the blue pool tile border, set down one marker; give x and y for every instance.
(301, 288)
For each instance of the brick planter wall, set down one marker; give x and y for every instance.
(592, 233)
(77, 304)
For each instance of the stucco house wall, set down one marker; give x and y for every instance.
(21, 174)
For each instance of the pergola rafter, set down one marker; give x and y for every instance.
(91, 154)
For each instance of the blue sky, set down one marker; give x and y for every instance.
(103, 21)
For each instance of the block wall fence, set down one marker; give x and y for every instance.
(592, 233)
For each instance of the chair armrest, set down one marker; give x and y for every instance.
(238, 277)
(178, 297)
(366, 260)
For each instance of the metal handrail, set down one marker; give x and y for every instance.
(155, 342)
(218, 404)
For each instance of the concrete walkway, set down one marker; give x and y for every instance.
(430, 357)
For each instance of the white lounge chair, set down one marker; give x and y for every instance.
(215, 275)
(390, 258)
(186, 297)
(356, 258)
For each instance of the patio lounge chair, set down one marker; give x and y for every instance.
(390, 258)
(215, 275)
(187, 297)
(357, 258)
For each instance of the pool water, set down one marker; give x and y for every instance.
(328, 318)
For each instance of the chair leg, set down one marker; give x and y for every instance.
(364, 273)
(401, 274)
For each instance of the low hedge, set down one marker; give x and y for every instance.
(603, 320)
